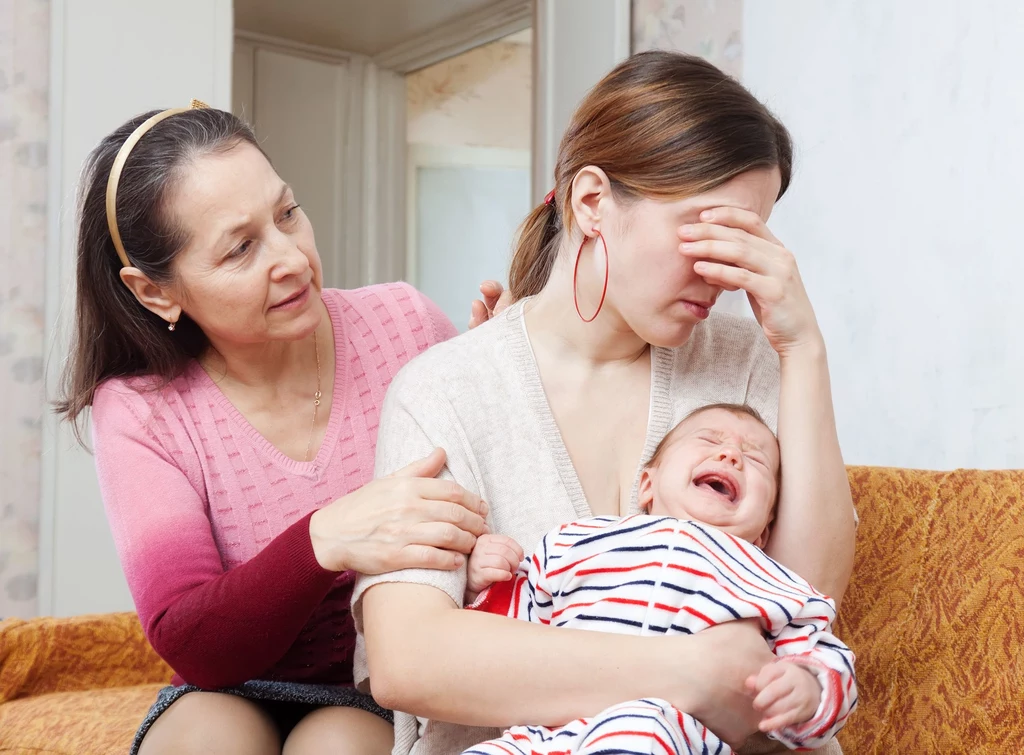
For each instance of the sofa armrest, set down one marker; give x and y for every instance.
(79, 653)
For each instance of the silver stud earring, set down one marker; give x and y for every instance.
(171, 326)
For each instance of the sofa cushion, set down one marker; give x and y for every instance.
(935, 611)
(47, 655)
(97, 722)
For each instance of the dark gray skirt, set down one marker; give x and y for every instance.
(286, 702)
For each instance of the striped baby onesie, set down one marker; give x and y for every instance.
(650, 575)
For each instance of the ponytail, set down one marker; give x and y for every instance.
(535, 252)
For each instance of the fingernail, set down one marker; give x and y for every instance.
(685, 230)
(484, 508)
(686, 246)
(707, 215)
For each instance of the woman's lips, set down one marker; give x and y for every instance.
(295, 300)
(700, 311)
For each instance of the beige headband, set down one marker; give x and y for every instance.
(121, 159)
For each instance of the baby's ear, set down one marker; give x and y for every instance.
(645, 495)
(762, 539)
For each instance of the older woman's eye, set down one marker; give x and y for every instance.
(290, 212)
(241, 249)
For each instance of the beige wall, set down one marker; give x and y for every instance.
(712, 29)
(480, 98)
(24, 109)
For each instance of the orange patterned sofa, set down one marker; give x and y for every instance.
(935, 612)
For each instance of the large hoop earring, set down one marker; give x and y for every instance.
(575, 274)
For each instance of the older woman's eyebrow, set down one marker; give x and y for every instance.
(243, 223)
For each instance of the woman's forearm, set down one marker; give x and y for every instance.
(479, 669)
(815, 529)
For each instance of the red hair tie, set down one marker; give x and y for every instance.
(550, 197)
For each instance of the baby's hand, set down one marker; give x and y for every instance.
(495, 558)
(788, 694)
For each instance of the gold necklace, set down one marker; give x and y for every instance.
(316, 396)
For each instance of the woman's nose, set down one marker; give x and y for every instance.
(288, 259)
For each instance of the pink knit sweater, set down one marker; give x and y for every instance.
(211, 522)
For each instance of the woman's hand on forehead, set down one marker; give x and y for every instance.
(733, 249)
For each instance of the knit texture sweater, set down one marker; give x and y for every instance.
(211, 521)
(480, 397)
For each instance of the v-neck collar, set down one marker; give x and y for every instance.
(330, 441)
(659, 413)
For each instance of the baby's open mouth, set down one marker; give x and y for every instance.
(718, 483)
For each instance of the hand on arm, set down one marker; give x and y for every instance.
(407, 520)
(814, 531)
(199, 616)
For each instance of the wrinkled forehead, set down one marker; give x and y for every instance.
(720, 420)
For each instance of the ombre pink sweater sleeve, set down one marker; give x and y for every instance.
(215, 628)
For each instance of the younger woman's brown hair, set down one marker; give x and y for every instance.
(661, 125)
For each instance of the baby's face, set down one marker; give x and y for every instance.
(719, 468)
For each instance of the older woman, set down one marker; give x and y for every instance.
(663, 185)
(235, 405)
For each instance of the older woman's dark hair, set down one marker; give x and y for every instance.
(114, 335)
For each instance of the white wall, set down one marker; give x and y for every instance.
(110, 60)
(24, 130)
(905, 214)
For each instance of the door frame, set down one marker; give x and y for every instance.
(488, 24)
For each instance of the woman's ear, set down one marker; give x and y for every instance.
(156, 299)
(591, 192)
